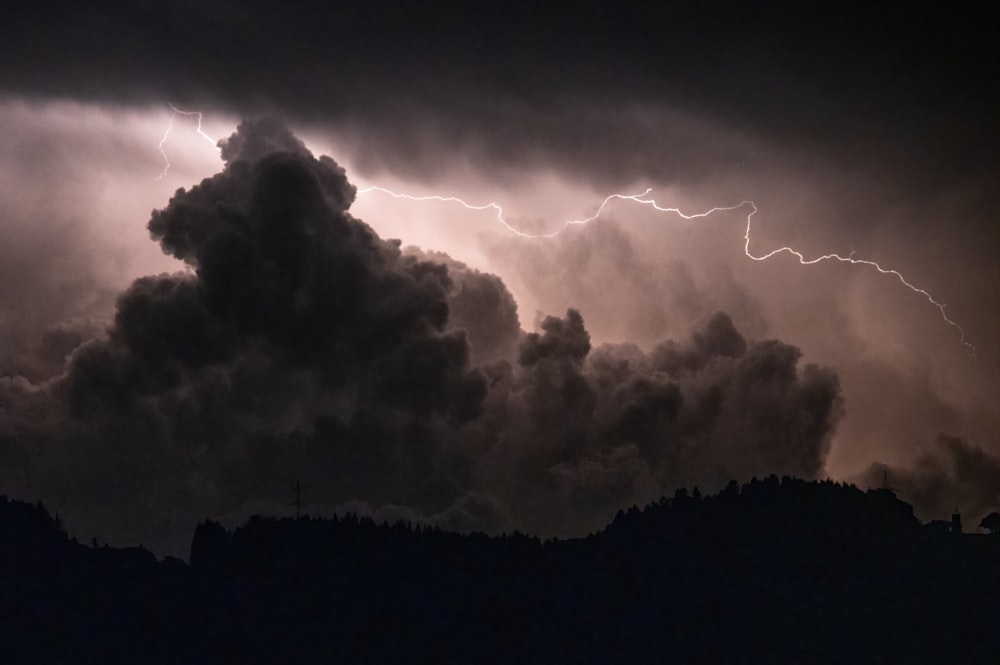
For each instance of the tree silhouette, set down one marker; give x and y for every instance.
(776, 566)
(991, 523)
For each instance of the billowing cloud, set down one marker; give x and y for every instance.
(870, 130)
(480, 305)
(301, 346)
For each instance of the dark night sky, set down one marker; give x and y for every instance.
(290, 340)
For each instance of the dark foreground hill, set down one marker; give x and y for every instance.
(775, 571)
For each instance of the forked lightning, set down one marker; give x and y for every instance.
(170, 126)
(644, 199)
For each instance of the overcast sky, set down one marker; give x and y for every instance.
(861, 129)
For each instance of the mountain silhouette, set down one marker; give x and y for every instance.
(776, 570)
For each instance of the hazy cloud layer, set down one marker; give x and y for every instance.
(301, 346)
(888, 85)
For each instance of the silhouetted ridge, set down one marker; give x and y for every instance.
(25, 524)
(771, 571)
(61, 601)
(788, 507)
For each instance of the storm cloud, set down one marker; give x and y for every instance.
(300, 346)
(642, 90)
(857, 127)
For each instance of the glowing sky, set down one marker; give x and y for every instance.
(848, 139)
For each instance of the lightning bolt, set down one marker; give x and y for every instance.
(166, 134)
(644, 199)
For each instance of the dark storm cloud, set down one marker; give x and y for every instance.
(480, 305)
(591, 429)
(44, 355)
(294, 310)
(301, 346)
(279, 262)
(886, 84)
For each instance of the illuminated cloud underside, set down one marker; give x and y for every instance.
(644, 200)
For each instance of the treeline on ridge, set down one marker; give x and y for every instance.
(771, 571)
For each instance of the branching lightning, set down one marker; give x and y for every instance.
(644, 199)
(170, 126)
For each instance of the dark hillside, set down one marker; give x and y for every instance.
(774, 571)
